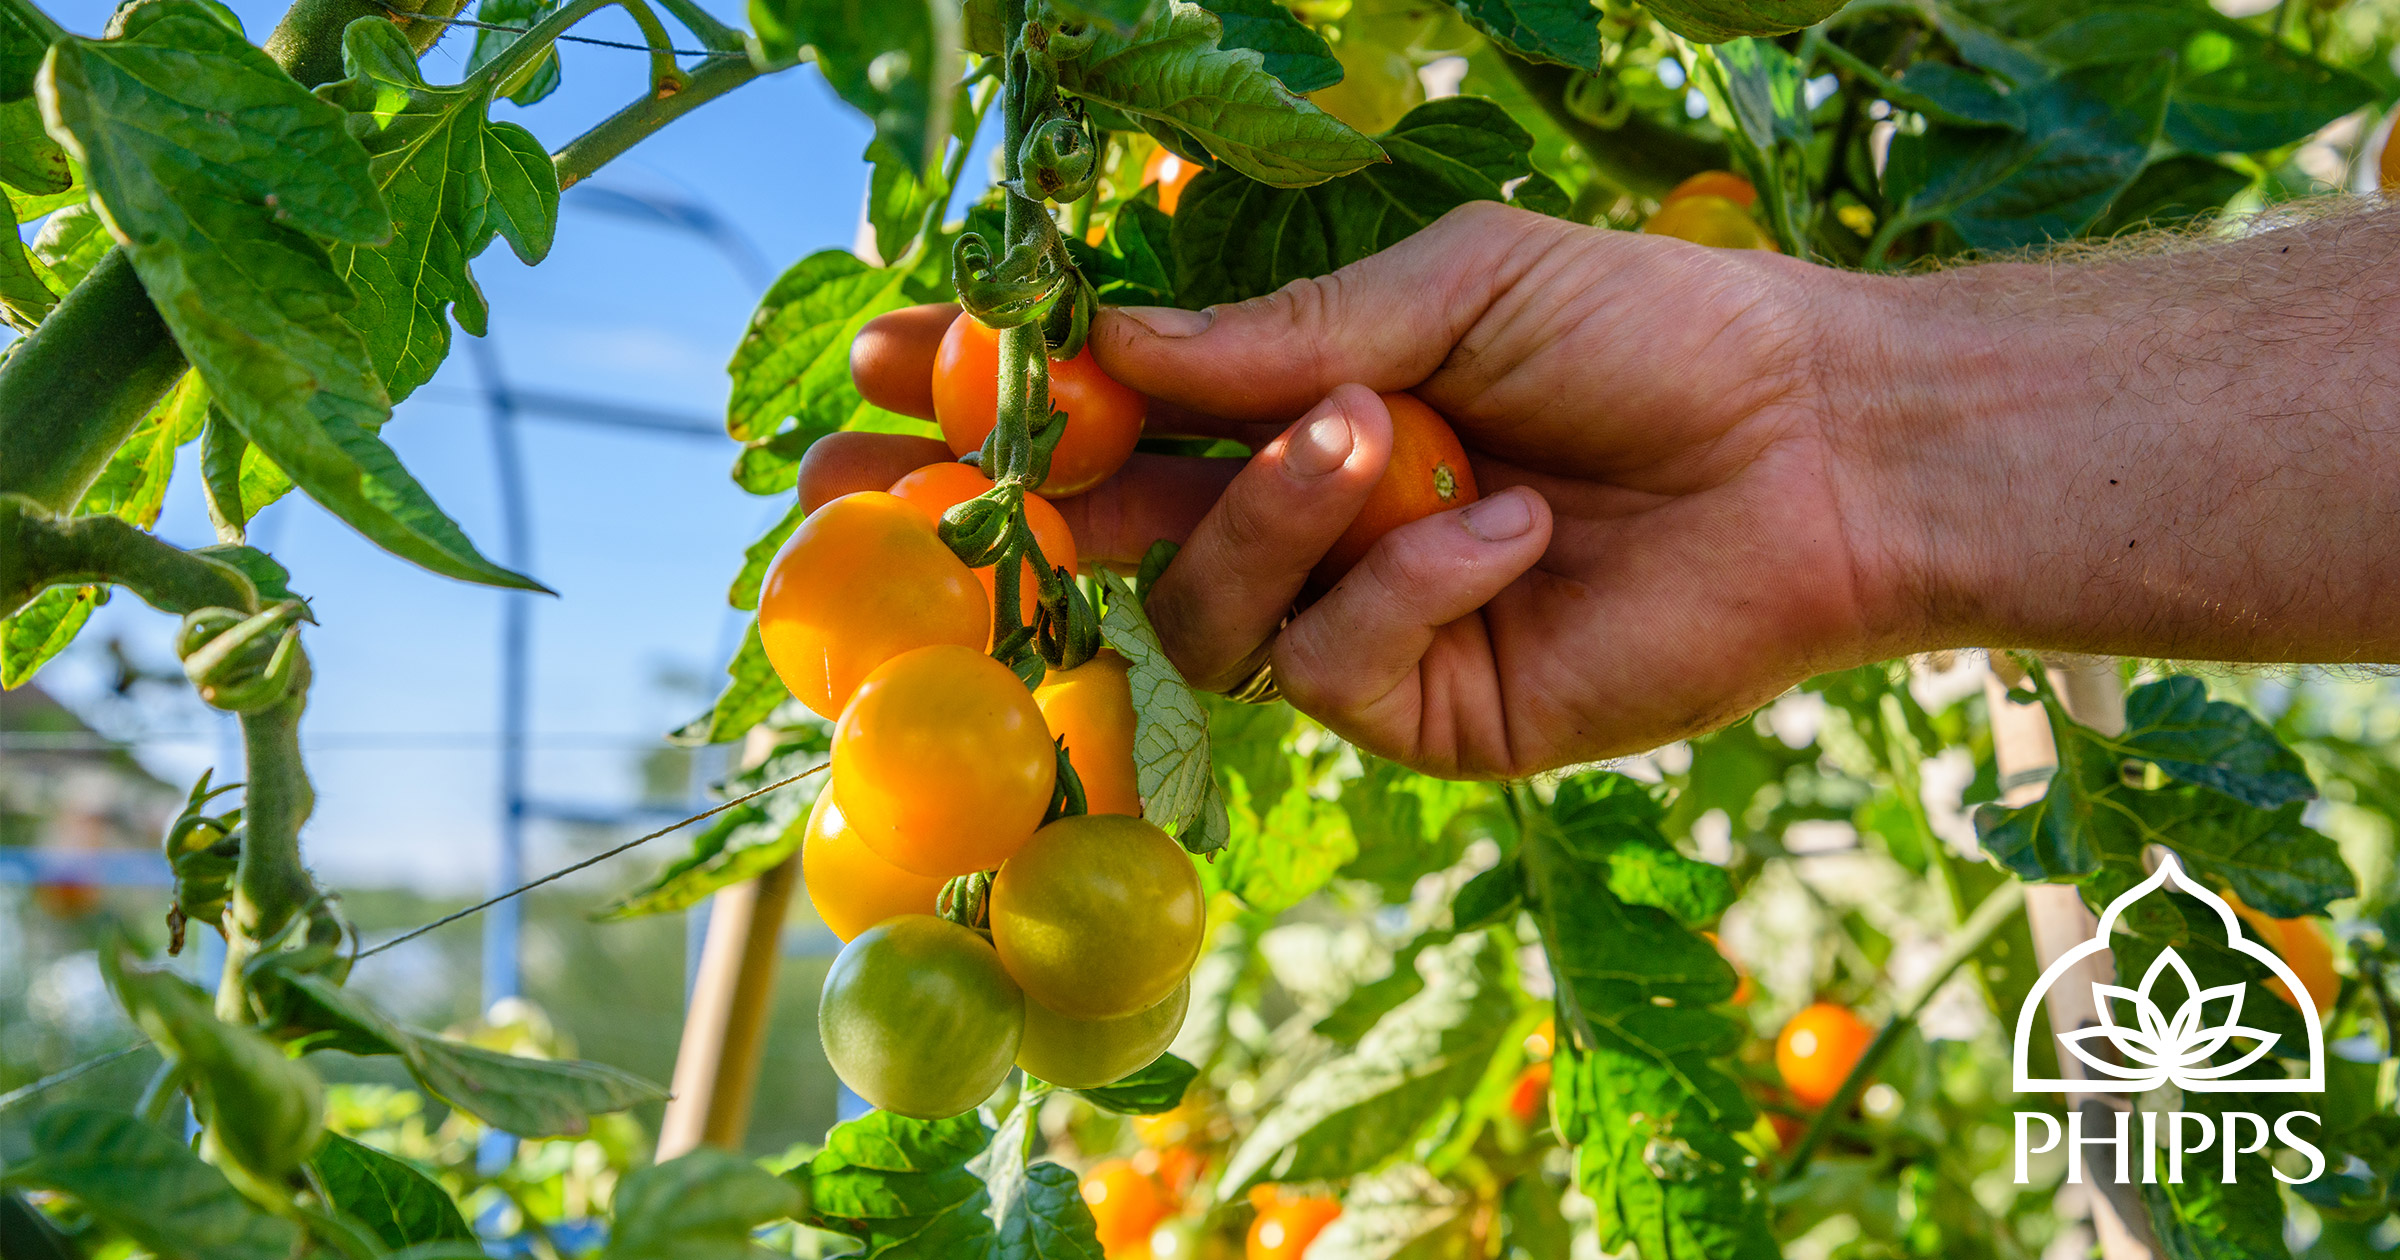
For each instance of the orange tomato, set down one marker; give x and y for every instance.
(1704, 219)
(936, 488)
(861, 581)
(2387, 167)
(941, 762)
(1724, 184)
(1175, 1168)
(1125, 1204)
(1428, 474)
(1170, 173)
(1284, 1231)
(851, 886)
(66, 898)
(1104, 419)
(2303, 947)
(1092, 706)
(1531, 1092)
(1817, 1049)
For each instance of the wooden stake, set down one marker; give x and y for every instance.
(2025, 749)
(725, 1024)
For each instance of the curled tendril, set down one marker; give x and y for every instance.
(1059, 161)
(966, 900)
(977, 530)
(1015, 289)
(1070, 319)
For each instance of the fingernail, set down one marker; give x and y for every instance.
(1499, 518)
(1320, 446)
(1169, 321)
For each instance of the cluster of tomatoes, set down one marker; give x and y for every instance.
(1069, 954)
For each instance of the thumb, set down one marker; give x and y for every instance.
(1387, 321)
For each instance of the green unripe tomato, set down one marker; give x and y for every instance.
(1098, 916)
(1082, 1053)
(919, 1017)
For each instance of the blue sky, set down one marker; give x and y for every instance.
(639, 533)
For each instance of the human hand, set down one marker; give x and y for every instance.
(1669, 534)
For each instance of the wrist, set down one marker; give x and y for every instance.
(1952, 415)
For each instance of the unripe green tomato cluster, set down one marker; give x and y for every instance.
(945, 765)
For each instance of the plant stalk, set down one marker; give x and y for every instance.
(270, 886)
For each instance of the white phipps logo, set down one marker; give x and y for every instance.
(2154, 1048)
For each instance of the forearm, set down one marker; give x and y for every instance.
(2192, 454)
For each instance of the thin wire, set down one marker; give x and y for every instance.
(472, 24)
(63, 1075)
(564, 871)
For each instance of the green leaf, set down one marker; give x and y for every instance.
(1763, 91)
(29, 159)
(22, 43)
(1156, 1088)
(753, 692)
(546, 74)
(1563, 32)
(1037, 1211)
(1715, 21)
(1356, 1112)
(699, 1206)
(2086, 137)
(897, 202)
(527, 1097)
(1634, 1085)
(1289, 48)
(453, 179)
(133, 485)
(1237, 238)
(742, 842)
(794, 360)
(1121, 14)
(1170, 732)
(895, 60)
(388, 1195)
(148, 1183)
(221, 174)
(32, 635)
(2092, 818)
(901, 1187)
(1134, 264)
(1213, 104)
(264, 1113)
(2174, 725)
(26, 297)
(2236, 90)
(72, 242)
(1406, 824)
(2202, 1217)
(1266, 785)
(758, 555)
(2171, 191)
(1613, 820)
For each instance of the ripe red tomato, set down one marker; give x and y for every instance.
(1170, 173)
(1428, 474)
(861, 581)
(942, 762)
(1082, 1053)
(918, 1017)
(1104, 419)
(1531, 1092)
(1125, 1204)
(936, 488)
(1817, 1049)
(1724, 184)
(1092, 706)
(1284, 1230)
(1098, 916)
(851, 886)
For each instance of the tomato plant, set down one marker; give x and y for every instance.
(1596, 1013)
